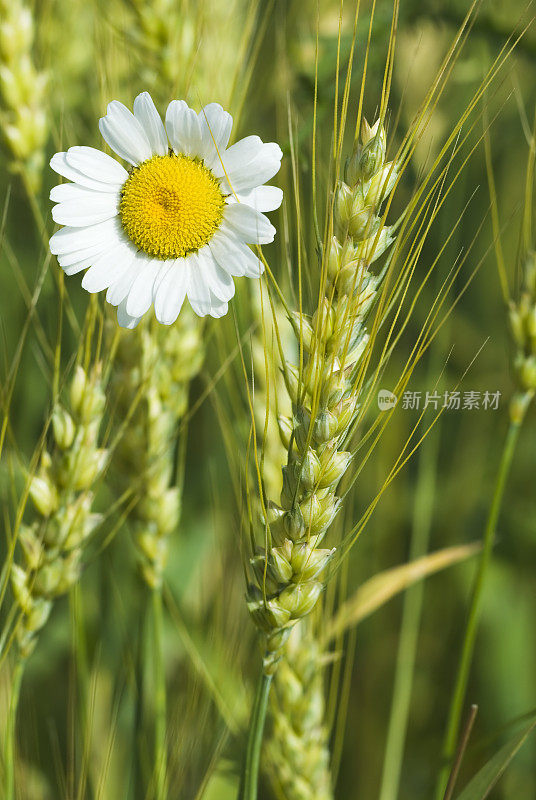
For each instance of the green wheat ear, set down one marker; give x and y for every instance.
(62, 491)
(23, 93)
(288, 576)
(297, 753)
(153, 370)
(522, 316)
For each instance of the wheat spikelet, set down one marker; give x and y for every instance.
(62, 491)
(23, 118)
(162, 34)
(155, 365)
(181, 46)
(271, 403)
(523, 327)
(297, 752)
(288, 574)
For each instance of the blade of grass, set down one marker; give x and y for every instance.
(458, 697)
(484, 781)
(377, 591)
(411, 618)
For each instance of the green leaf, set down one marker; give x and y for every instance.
(381, 588)
(484, 781)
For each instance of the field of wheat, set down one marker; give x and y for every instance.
(267, 364)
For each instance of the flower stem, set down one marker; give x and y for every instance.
(458, 697)
(9, 754)
(250, 776)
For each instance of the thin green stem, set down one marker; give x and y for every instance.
(83, 720)
(464, 667)
(411, 619)
(160, 753)
(150, 780)
(9, 752)
(462, 747)
(139, 749)
(250, 776)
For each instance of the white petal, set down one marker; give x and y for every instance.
(96, 164)
(262, 198)
(108, 267)
(124, 319)
(241, 153)
(69, 239)
(79, 265)
(182, 126)
(234, 256)
(248, 163)
(59, 164)
(66, 259)
(258, 171)
(149, 118)
(227, 256)
(125, 135)
(171, 291)
(253, 266)
(215, 125)
(140, 296)
(250, 225)
(73, 191)
(219, 281)
(66, 191)
(119, 289)
(86, 210)
(166, 266)
(218, 309)
(197, 287)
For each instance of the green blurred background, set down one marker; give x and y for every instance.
(92, 56)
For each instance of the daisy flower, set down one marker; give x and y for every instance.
(178, 223)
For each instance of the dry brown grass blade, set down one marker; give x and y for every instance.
(381, 588)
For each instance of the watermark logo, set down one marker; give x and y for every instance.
(448, 400)
(386, 400)
(452, 401)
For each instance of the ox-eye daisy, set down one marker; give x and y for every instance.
(178, 223)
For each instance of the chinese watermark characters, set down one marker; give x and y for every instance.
(449, 401)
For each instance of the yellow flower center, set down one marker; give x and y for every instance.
(171, 206)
